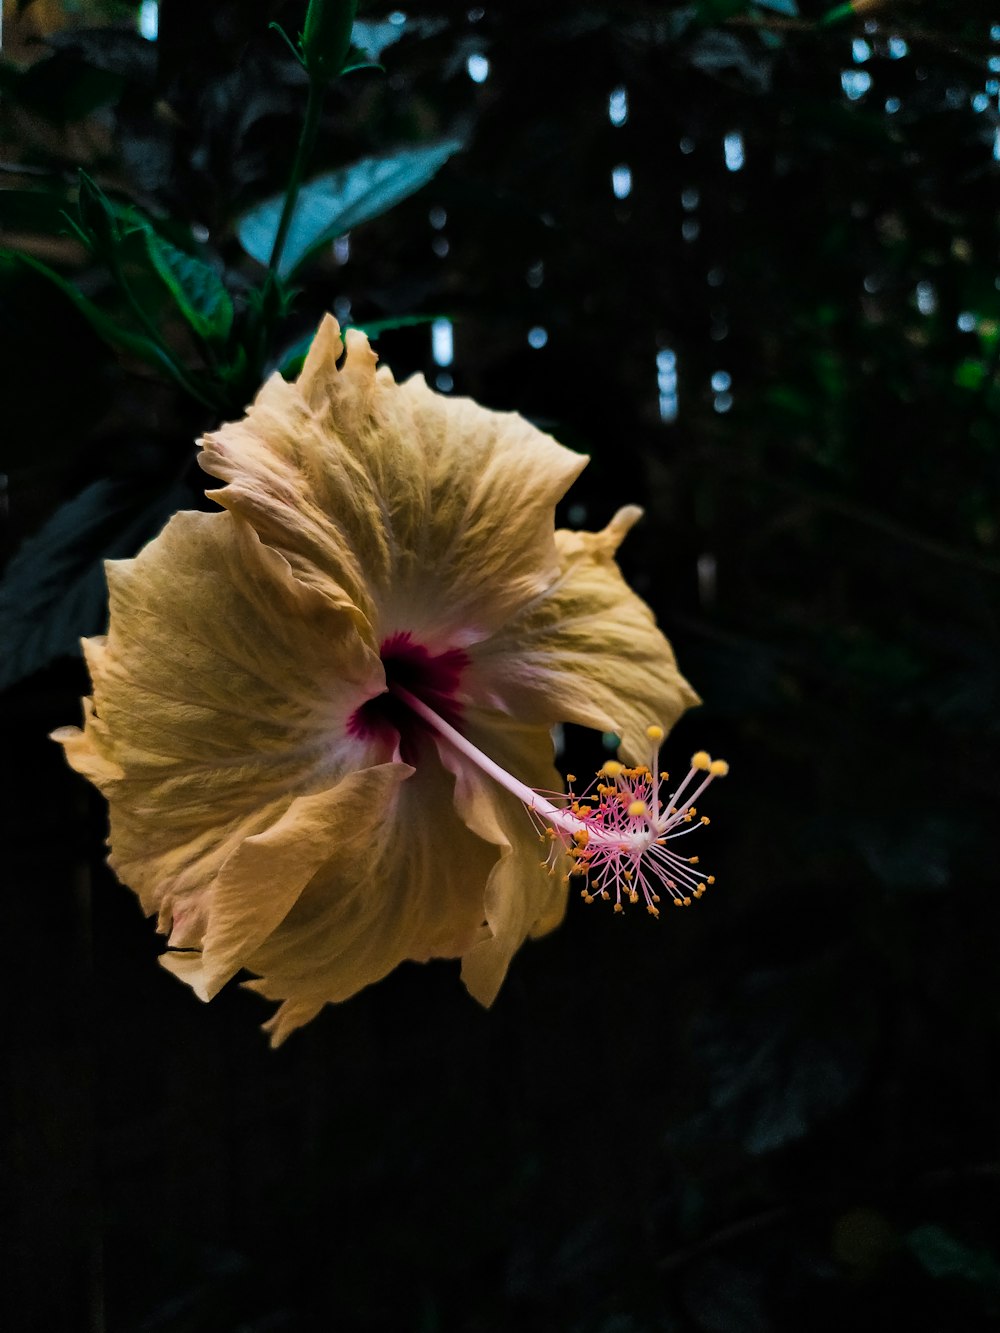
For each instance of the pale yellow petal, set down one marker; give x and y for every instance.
(402, 877)
(221, 693)
(260, 882)
(523, 896)
(427, 513)
(587, 651)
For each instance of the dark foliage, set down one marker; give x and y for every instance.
(780, 332)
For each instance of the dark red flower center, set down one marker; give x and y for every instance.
(433, 677)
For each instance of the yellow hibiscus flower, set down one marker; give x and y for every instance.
(318, 714)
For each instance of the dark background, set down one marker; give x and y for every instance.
(775, 1112)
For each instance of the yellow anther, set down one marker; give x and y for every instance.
(655, 734)
(618, 907)
(705, 819)
(664, 776)
(581, 837)
(637, 808)
(701, 887)
(653, 911)
(570, 777)
(698, 891)
(702, 759)
(633, 896)
(627, 875)
(587, 897)
(710, 879)
(718, 768)
(687, 902)
(676, 902)
(612, 769)
(692, 860)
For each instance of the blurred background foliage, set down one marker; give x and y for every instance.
(745, 256)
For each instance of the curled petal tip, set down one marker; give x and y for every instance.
(620, 526)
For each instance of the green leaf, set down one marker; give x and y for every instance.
(372, 36)
(33, 210)
(969, 374)
(339, 200)
(99, 219)
(717, 11)
(54, 590)
(788, 7)
(195, 286)
(838, 14)
(118, 337)
(940, 1255)
(121, 339)
(294, 356)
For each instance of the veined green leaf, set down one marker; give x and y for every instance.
(54, 591)
(114, 334)
(195, 286)
(122, 339)
(99, 219)
(788, 7)
(339, 200)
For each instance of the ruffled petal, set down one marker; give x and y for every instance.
(524, 896)
(586, 651)
(259, 884)
(398, 875)
(221, 694)
(422, 512)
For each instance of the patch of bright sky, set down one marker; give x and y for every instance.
(855, 83)
(666, 383)
(926, 298)
(478, 68)
(149, 19)
(442, 342)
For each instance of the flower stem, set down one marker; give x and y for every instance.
(307, 141)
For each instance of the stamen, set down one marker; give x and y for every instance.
(615, 834)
